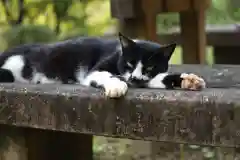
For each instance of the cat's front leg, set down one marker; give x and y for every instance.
(113, 87)
(183, 80)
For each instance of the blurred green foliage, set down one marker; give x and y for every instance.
(22, 34)
(26, 21)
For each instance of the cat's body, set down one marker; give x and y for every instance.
(113, 65)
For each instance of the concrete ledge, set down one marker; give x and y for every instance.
(208, 117)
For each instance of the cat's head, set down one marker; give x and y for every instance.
(142, 60)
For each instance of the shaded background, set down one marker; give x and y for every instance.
(28, 21)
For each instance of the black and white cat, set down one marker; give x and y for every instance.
(113, 65)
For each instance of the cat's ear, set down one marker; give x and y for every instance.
(168, 50)
(125, 41)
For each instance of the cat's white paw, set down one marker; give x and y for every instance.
(115, 88)
(192, 82)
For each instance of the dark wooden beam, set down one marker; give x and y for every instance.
(49, 145)
(26, 143)
(217, 35)
(223, 39)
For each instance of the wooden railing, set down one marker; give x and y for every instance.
(223, 38)
(137, 18)
(59, 121)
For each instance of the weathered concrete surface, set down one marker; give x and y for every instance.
(207, 117)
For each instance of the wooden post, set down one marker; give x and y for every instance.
(138, 27)
(193, 36)
(142, 22)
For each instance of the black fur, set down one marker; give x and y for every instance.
(6, 76)
(62, 60)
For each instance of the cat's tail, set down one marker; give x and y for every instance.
(6, 76)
